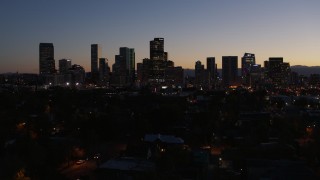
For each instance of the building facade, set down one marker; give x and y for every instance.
(46, 59)
(247, 62)
(64, 65)
(278, 71)
(157, 49)
(95, 55)
(158, 70)
(124, 67)
(229, 70)
(104, 70)
(211, 68)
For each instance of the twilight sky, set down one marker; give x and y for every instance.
(193, 30)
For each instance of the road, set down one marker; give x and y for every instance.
(78, 170)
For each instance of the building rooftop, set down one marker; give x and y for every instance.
(128, 164)
(163, 138)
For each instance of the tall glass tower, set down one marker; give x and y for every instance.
(229, 70)
(95, 54)
(157, 49)
(46, 59)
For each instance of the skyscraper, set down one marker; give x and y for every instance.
(275, 70)
(199, 71)
(132, 67)
(278, 71)
(202, 76)
(159, 70)
(95, 55)
(64, 65)
(211, 68)
(157, 49)
(124, 67)
(229, 70)
(247, 61)
(103, 69)
(198, 68)
(78, 74)
(46, 59)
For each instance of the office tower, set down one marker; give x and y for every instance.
(46, 59)
(165, 56)
(153, 71)
(199, 68)
(103, 69)
(229, 70)
(278, 71)
(201, 75)
(211, 68)
(129, 63)
(139, 72)
(275, 70)
(124, 67)
(78, 74)
(255, 75)
(159, 70)
(174, 76)
(266, 65)
(95, 55)
(286, 72)
(64, 65)
(275, 63)
(131, 66)
(157, 49)
(198, 72)
(247, 61)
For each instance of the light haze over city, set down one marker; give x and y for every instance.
(192, 30)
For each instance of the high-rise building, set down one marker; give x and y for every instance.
(124, 67)
(131, 66)
(153, 71)
(64, 65)
(46, 59)
(229, 70)
(199, 68)
(174, 76)
(165, 56)
(157, 49)
(159, 70)
(139, 72)
(275, 63)
(95, 55)
(104, 69)
(286, 72)
(247, 61)
(255, 75)
(278, 71)
(211, 68)
(275, 69)
(78, 74)
(199, 71)
(202, 76)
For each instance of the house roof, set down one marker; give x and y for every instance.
(128, 164)
(163, 138)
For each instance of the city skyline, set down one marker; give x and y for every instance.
(192, 31)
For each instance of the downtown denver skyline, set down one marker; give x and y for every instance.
(193, 30)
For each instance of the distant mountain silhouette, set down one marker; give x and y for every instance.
(300, 69)
(306, 70)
